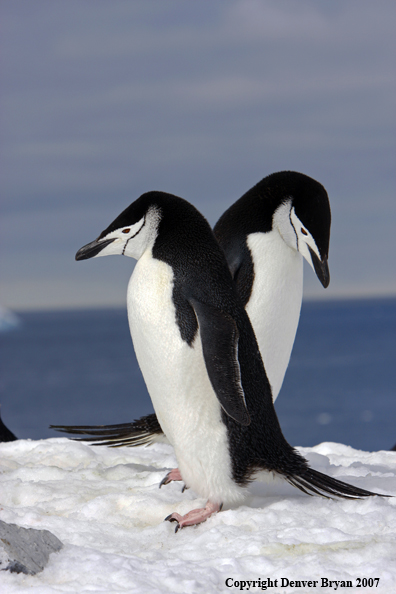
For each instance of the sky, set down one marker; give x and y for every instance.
(102, 101)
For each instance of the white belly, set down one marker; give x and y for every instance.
(275, 303)
(176, 378)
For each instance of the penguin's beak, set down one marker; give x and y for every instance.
(321, 268)
(93, 249)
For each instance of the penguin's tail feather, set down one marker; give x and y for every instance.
(313, 482)
(143, 431)
(147, 430)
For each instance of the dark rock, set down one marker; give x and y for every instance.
(25, 550)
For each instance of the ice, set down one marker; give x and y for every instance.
(8, 320)
(106, 508)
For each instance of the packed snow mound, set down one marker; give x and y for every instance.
(105, 506)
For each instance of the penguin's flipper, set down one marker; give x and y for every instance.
(143, 431)
(219, 337)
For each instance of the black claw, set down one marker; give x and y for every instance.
(164, 481)
(184, 488)
(170, 519)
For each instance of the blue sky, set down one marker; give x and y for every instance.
(103, 100)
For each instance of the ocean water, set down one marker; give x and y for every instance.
(79, 368)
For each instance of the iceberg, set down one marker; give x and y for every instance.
(8, 320)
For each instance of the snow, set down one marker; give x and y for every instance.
(105, 506)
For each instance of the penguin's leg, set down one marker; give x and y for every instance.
(195, 516)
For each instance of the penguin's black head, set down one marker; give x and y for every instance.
(130, 233)
(304, 218)
(291, 203)
(154, 218)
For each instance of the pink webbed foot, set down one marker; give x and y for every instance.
(173, 475)
(196, 516)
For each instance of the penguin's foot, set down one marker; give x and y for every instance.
(173, 475)
(195, 516)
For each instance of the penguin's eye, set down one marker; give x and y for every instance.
(303, 231)
(125, 230)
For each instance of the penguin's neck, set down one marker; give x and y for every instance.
(275, 301)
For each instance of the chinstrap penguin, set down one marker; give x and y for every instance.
(265, 236)
(5, 433)
(199, 357)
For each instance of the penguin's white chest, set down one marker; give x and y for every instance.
(176, 378)
(275, 302)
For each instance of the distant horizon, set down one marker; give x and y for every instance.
(82, 307)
